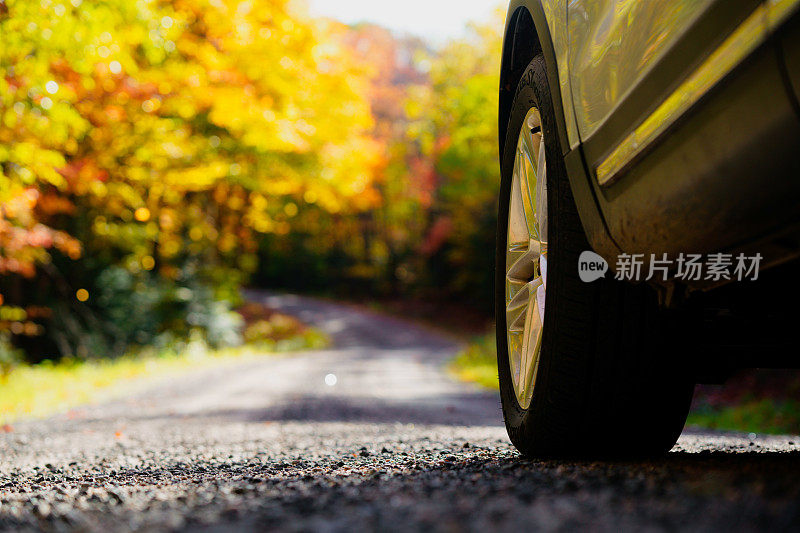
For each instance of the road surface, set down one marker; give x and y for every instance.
(394, 444)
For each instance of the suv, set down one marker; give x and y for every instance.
(637, 140)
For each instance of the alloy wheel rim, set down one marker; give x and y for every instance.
(526, 258)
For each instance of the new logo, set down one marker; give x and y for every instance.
(591, 267)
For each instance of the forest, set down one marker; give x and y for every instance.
(158, 156)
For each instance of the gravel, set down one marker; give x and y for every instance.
(394, 445)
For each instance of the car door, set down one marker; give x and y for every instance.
(613, 44)
(627, 56)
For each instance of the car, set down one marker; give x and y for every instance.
(638, 139)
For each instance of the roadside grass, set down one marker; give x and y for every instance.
(35, 391)
(764, 415)
(477, 363)
(743, 406)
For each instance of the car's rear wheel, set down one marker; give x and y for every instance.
(585, 368)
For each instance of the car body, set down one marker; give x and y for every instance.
(678, 120)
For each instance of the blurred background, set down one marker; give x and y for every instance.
(157, 156)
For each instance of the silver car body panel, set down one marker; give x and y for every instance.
(612, 46)
(741, 43)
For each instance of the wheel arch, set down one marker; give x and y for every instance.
(528, 33)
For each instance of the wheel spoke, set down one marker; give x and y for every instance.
(531, 345)
(527, 180)
(531, 143)
(524, 268)
(516, 310)
(519, 301)
(534, 120)
(520, 319)
(517, 307)
(536, 141)
(541, 191)
(517, 224)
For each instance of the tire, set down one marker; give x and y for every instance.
(608, 381)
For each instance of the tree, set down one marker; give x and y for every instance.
(455, 123)
(161, 137)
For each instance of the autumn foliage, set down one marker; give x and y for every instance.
(155, 155)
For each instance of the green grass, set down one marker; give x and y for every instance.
(34, 391)
(478, 364)
(763, 415)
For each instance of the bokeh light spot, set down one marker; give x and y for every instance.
(142, 214)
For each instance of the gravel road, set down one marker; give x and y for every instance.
(266, 443)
